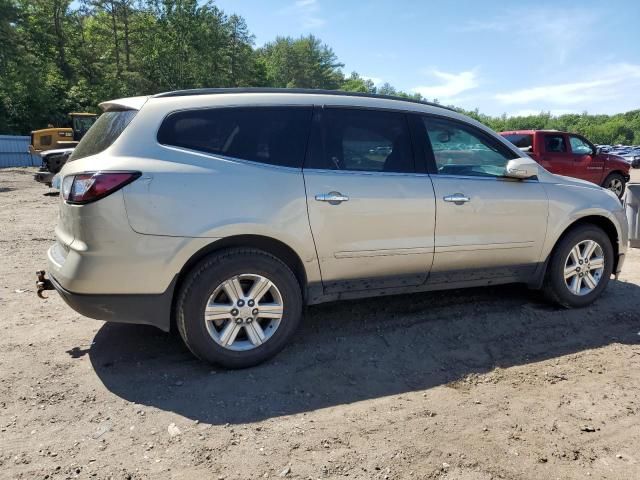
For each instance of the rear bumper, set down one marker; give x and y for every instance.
(144, 309)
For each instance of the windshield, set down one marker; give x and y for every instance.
(103, 133)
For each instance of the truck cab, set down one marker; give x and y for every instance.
(52, 138)
(572, 155)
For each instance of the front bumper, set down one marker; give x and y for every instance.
(144, 309)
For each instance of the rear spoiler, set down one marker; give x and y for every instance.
(129, 103)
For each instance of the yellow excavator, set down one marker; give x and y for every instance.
(54, 145)
(52, 138)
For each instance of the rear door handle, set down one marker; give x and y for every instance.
(457, 198)
(334, 198)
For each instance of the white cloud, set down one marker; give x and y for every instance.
(306, 13)
(526, 112)
(554, 32)
(474, 25)
(376, 80)
(450, 85)
(614, 81)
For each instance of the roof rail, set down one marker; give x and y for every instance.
(211, 91)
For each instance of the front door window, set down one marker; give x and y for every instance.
(459, 150)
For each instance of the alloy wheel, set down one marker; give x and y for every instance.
(616, 186)
(243, 312)
(583, 267)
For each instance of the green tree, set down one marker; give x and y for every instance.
(355, 83)
(58, 56)
(241, 61)
(301, 63)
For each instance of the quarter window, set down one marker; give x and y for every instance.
(272, 135)
(579, 146)
(362, 140)
(463, 150)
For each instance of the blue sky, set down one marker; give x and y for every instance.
(513, 57)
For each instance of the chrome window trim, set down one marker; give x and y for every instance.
(480, 177)
(327, 171)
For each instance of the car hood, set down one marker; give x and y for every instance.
(562, 180)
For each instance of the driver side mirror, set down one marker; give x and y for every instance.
(521, 168)
(597, 151)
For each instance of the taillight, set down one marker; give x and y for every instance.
(91, 186)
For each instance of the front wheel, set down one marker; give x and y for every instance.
(238, 307)
(616, 183)
(580, 267)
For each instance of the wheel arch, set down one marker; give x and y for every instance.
(593, 219)
(615, 171)
(270, 245)
(599, 221)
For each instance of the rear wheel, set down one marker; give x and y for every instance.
(580, 267)
(239, 307)
(616, 183)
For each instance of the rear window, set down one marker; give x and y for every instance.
(520, 140)
(271, 135)
(103, 133)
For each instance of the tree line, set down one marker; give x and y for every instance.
(59, 56)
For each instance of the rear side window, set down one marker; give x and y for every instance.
(271, 135)
(363, 140)
(555, 143)
(103, 133)
(520, 140)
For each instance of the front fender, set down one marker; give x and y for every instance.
(569, 204)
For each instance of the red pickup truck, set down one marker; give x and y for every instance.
(572, 155)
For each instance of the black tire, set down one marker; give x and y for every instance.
(555, 287)
(211, 272)
(612, 177)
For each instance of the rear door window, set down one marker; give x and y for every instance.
(103, 133)
(354, 139)
(271, 135)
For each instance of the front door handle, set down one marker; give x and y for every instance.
(334, 198)
(457, 198)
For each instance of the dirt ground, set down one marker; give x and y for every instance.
(488, 383)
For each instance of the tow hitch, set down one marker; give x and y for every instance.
(43, 283)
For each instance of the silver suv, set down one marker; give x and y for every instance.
(224, 212)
